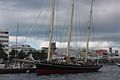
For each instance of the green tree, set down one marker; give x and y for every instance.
(36, 55)
(21, 55)
(43, 55)
(3, 55)
(12, 54)
(40, 55)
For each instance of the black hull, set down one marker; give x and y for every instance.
(17, 70)
(45, 69)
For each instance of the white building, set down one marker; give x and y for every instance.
(4, 38)
(25, 48)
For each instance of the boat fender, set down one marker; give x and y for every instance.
(27, 71)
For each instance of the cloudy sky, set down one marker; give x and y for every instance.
(33, 17)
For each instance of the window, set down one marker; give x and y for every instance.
(3, 36)
(4, 32)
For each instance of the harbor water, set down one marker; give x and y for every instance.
(109, 72)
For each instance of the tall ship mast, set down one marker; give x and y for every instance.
(51, 30)
(89, 30)
(70, 34)
(51, 67)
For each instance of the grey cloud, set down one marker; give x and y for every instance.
(25, 4)
(105, 18)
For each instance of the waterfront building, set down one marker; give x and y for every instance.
(4, 38)
(104, 54)
(25, 48)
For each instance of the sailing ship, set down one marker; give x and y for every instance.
(11, 69)
(17, 65)
(16, 70)
(50, 67)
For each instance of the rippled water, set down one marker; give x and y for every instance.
(105, 73)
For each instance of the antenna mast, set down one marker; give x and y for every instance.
(17, 37)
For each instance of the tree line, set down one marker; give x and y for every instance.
(15, 54)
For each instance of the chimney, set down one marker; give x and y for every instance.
(53, 46)
(110, 50)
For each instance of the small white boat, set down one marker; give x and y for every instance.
(118, 64)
